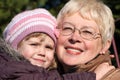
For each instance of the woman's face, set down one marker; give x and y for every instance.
(73, 49)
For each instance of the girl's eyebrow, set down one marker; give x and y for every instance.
(33, 41)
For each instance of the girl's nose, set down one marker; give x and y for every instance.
(41, 52)
(43, 55)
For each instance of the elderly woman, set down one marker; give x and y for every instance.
(86, 29)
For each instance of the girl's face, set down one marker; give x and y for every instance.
(74, 49)
(39, 51)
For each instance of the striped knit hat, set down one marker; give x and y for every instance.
(25, 23)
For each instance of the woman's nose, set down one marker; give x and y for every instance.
(76, 37)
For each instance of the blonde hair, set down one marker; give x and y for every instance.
(91, 9)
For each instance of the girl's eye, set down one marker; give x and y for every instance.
(34, 44)
(49, 47)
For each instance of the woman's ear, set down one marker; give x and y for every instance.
(106, 47)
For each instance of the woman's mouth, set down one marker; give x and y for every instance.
(73, 50)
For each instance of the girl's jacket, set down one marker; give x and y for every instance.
(13, 67)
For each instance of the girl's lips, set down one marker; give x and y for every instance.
(39, 60)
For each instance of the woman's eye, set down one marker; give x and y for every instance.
(87, 32)
(67, 28)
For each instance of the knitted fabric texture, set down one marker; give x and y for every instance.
(27, 22)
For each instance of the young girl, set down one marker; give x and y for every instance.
(32, 34)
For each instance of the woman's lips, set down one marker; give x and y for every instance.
(73, 50)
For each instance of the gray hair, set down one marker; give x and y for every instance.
(91, 9)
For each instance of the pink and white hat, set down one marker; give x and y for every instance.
(27, 22)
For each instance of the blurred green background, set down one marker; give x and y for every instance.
(9, 8)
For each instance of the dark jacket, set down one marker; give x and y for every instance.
(15, 67)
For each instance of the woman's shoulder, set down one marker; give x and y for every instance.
(105, 71)
(113, 74)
